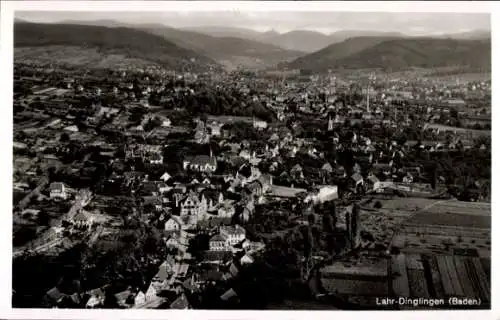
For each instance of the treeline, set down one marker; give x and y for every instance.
(215, 102)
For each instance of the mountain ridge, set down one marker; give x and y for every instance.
(110, 41)
(397, 53)
(230, 51)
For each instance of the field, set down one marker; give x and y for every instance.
(443, 227)
(441, 276)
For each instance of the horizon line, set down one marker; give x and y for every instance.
(258, 30)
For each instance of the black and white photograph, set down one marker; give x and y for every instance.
(231, 159)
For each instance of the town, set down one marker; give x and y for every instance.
(143, 187)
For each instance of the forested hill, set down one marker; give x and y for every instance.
(127, 42)
(398, 53)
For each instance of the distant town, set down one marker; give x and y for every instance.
(142, 187)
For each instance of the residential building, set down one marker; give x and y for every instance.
(58, 191)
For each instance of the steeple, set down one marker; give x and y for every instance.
(330, 123)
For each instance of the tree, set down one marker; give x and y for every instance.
(64, 137)
(328, 226)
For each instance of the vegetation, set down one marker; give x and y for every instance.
(130, 42)
(398, 53)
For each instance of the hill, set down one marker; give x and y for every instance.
(469, 35)
(398, 53)
(296, 40)
(301, 40)
(103, 43)
(335, 52)
(220, 31)
(230, 51)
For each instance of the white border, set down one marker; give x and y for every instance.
(6, 20)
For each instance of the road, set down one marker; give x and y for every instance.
(25, 201)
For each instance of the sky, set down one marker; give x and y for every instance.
(325, 22)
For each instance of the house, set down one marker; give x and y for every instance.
(156, 158)
(154, 201)
(324, 194)
(181, 303)
(173, 224)
(162, 187)
(229, 295)
(214, 128)
(166, 122)
(200, 163)
(218, 243)
(73, 128)
(165, 177)
(125, 298)
(373, 183)
(83, 219)
(357, 180)
(192, 206)
(327, 168)
(234, 234)
(259, 124)
(246, 259)
(296, 171)
(340, 172)
(226, 210)
(139, 299)
(385, 168)
(58, 191)
(408, 178)
(96, 298)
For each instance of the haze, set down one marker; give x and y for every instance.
(325, 22)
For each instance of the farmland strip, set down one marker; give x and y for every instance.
(455, 282)
(467, 285)
(483, 279)
(414, 261)
(445, 276)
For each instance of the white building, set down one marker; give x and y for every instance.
(234, 234)
(173, 224)
(324, 194)
(58, 191)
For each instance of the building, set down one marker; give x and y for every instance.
(200, 163)
(324, 194)
(234, 234)
(58, 191)
(218, 243)
(156, 158)
(173, 224)
(227, 237)
(259, 124)
(192, 206)
(83, 219)
(373, 183)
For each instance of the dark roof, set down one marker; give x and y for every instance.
(180, 303)
(357, 177)
(327, 167)
(201, 160)
(56, 186)
(55, 294)
(217, 255)
(217, 237)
